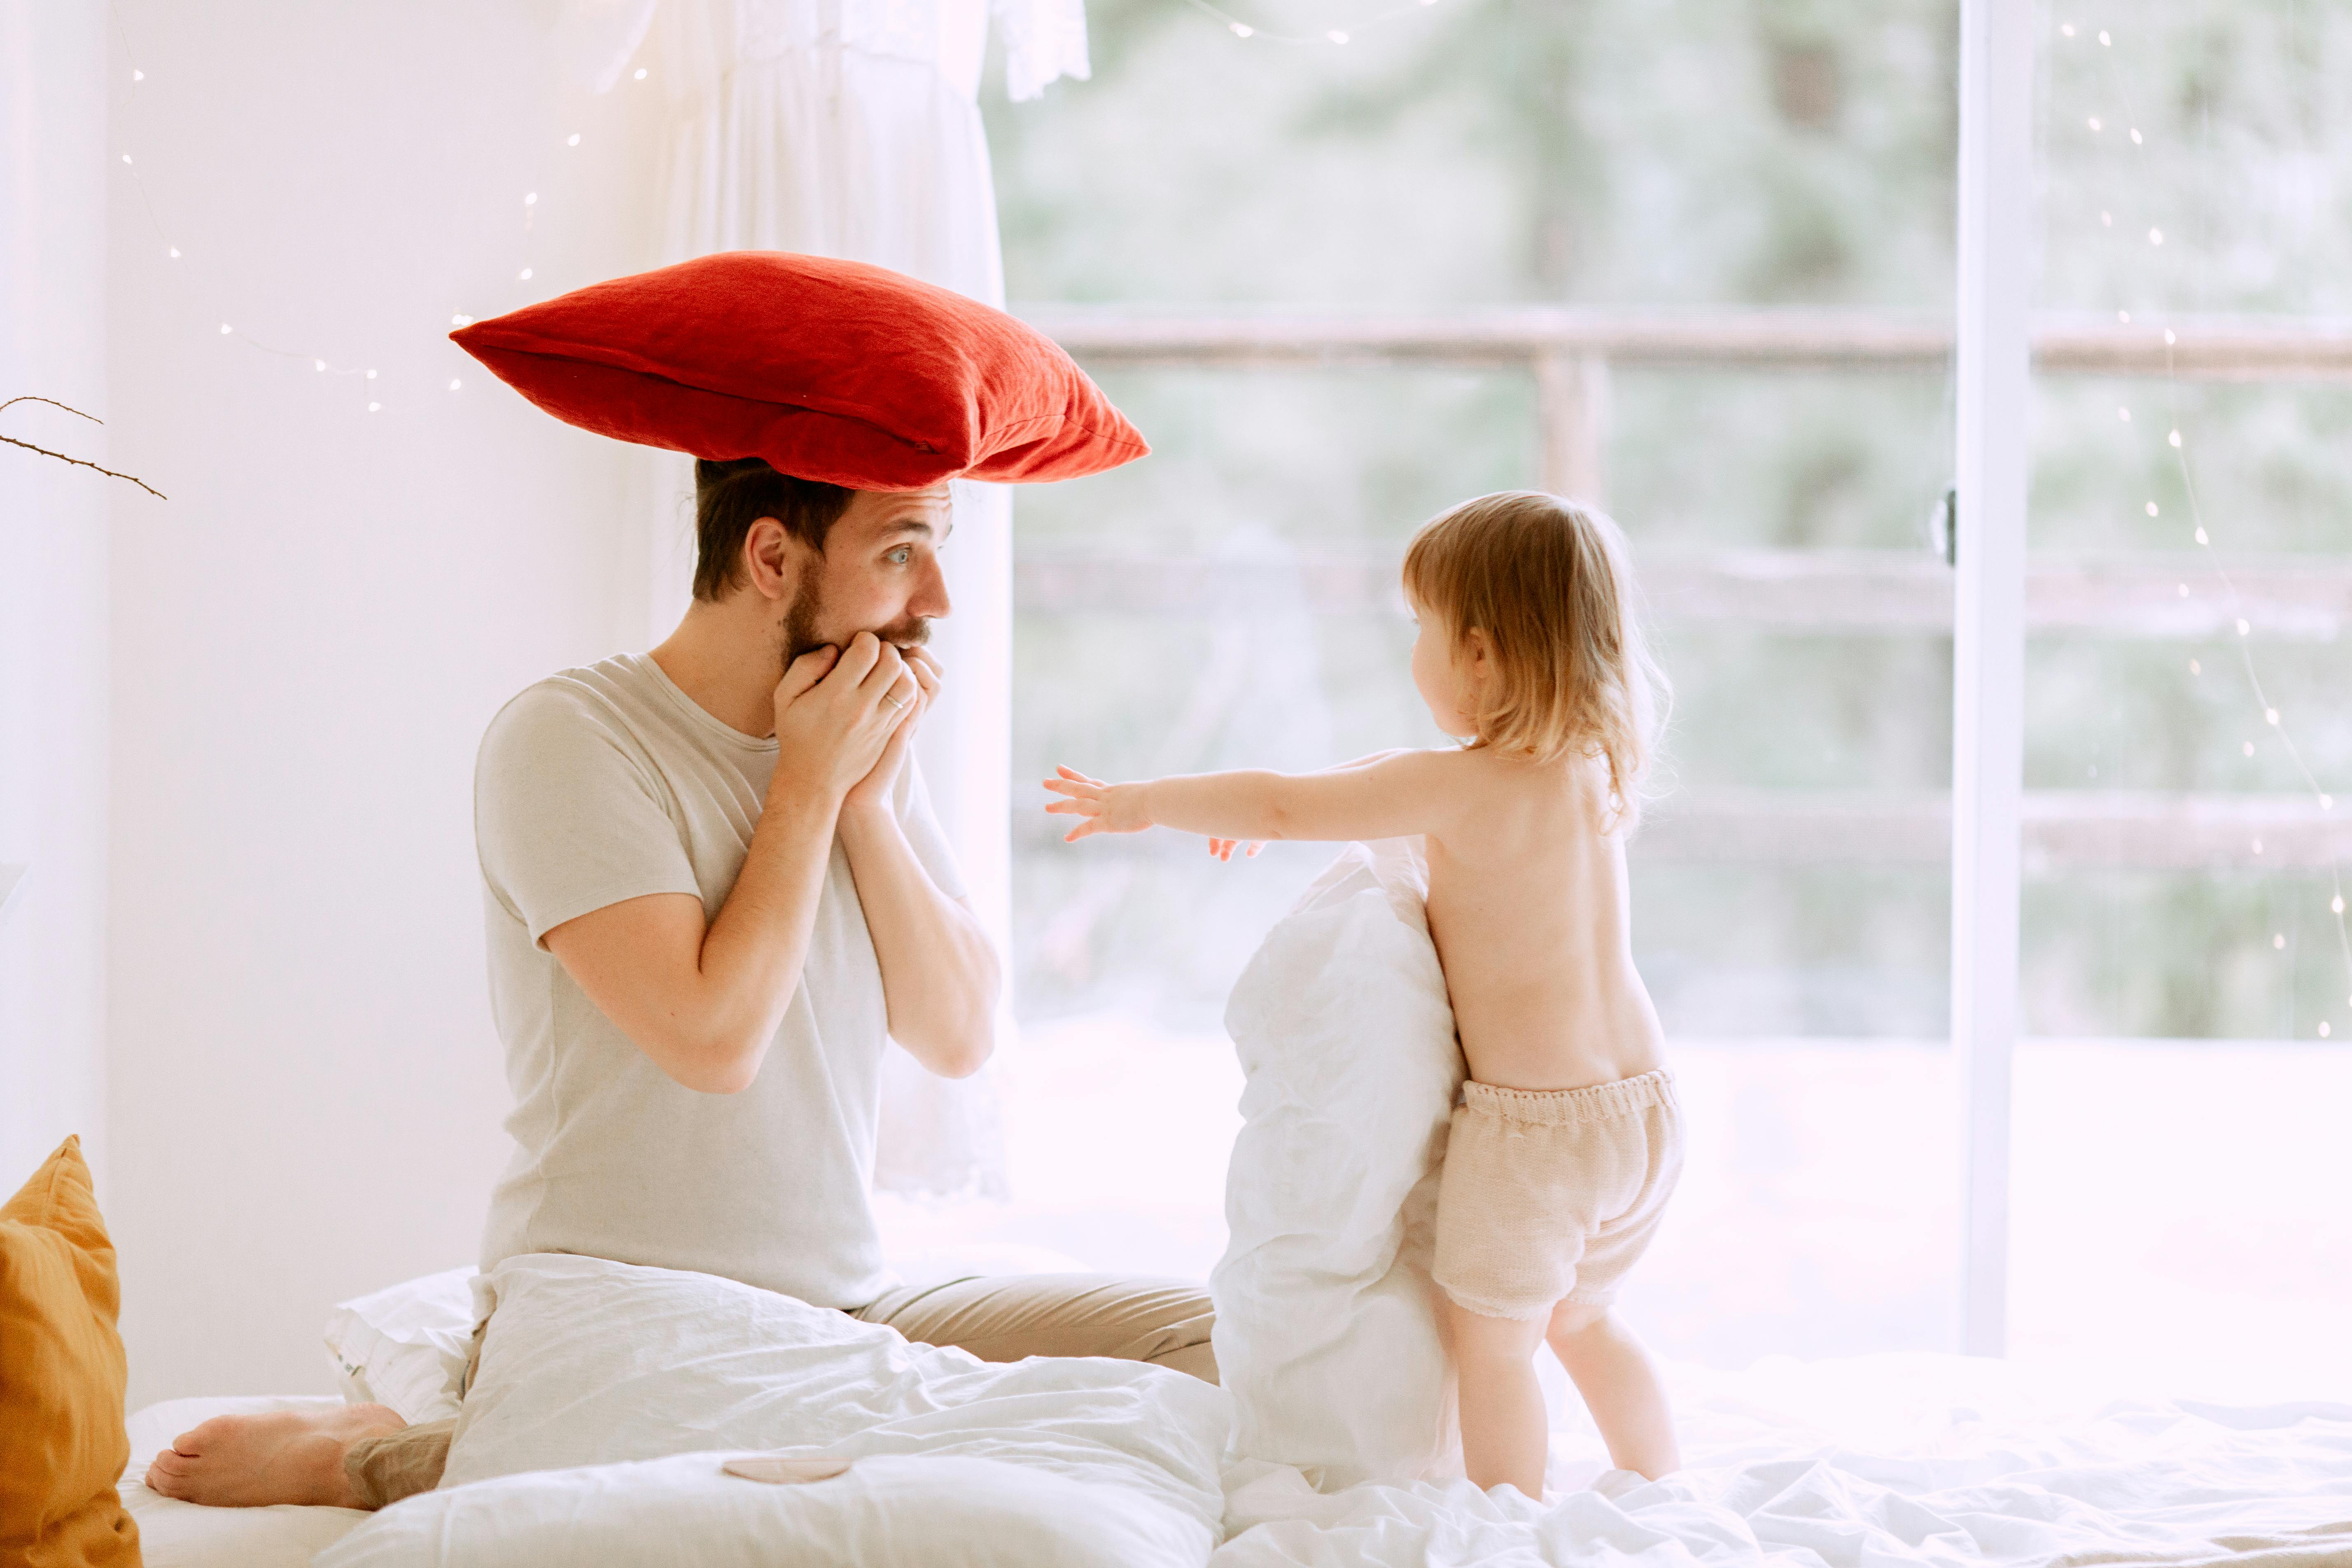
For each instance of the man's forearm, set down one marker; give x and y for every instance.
(939, 974)
(754, 950)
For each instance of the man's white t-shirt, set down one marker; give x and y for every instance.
(605, 783)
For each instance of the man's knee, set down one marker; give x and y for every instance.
(383, 1470)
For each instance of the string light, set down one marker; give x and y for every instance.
(1336, 36)
(320, 365)
(2272, 716)
(640, 74)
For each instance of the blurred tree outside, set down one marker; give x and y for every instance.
(1599, 152)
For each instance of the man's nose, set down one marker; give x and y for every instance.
(930, 600)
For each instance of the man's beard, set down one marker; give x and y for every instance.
(799, 635)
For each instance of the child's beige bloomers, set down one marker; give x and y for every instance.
(1552, 1196)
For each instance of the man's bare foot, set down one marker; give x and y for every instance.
(250, 1461)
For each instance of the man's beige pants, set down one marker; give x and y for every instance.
(1163, 1321)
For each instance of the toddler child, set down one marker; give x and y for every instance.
(1569, 1138)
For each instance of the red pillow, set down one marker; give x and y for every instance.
(830, 370)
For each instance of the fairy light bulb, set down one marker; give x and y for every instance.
(2124, 316)
(640, 74)
(524, 276)
(318, 365)
(2249, 752)
(2095, 122)
(1243, 29)
(2323, 1028)
(373, 407)
(224, 328)
(2270, 716)
(2124, 414)
(2066, 29)
(2194, 668)
(138, 76)
(572, 139)
(2105, 40)
(370, 375)
(2184, 593)
(2151, 509)
(2201, 539)
(2258, 850)
(461, 320)
(2278, 941)
(2135, 136)
(2243, 629)
(531, 199)
(172, 251)
(2156, 236)
(2175, 436)
(1336, 35)
(2106, 220)
(126, 157)
(2337, 904)
(454, 386)
(2170, 340)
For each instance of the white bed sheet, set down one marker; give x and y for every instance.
(1888, 1461)
(174, 1534)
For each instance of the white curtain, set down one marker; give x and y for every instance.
(851, 127)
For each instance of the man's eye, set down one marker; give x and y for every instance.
(901, 555)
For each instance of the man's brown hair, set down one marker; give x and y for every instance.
(730, 496)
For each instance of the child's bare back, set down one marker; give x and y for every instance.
(1528, 904)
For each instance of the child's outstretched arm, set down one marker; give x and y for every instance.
(1397, 794)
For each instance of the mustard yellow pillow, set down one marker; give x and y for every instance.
(62, 1443)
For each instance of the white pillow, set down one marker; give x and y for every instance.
(406, 1346)
(608, 1366)
(1327, 1335)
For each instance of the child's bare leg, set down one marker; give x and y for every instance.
(1504, 1435)
(1620, 1386)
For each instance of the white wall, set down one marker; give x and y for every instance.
(53, 521)
(309, 638)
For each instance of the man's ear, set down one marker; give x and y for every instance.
(772, 560)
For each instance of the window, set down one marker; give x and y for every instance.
(1702, 272)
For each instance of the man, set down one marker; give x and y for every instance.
(713, 884)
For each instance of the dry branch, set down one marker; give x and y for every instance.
(60, 457)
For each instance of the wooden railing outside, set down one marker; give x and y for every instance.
(1572, 352)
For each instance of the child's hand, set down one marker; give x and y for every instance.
(1107, 807)
(1222, 848)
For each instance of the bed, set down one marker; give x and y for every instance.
(595, 1450)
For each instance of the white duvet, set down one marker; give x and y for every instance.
(609, 1398)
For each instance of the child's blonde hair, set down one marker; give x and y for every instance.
(1548, 584)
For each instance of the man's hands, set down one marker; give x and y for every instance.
(873, 791)
(839, 713)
